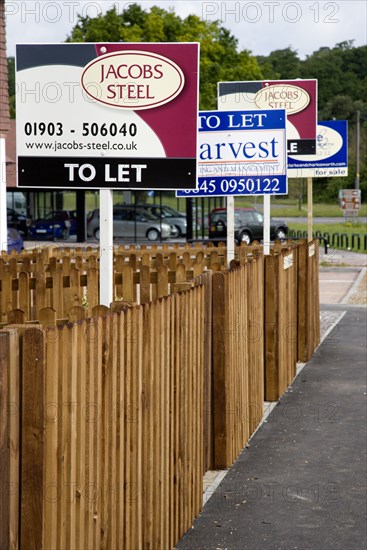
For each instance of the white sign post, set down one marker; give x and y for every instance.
(106, 283)
(309, 210)
(266, 228)
(230, 229)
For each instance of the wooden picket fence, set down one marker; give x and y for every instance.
(110, 438)
(238, 363)
(308, 300)
(113, 415)
(45, 278)
(281, 310)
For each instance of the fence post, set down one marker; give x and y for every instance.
(32, 498)
(220, 346)
(302, 302)
(271, 326)
(208, 449)
(9, 439)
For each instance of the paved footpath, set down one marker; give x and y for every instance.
(301, 482)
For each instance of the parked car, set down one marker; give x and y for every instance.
(18, 221)
(55, 225)
(168, 215)
(248, 225)
(130, 221)
(15, 240)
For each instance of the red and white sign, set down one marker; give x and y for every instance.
(297, 97)
(113, 116)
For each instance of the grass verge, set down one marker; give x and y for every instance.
(348, 233)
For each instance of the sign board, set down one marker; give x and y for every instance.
(241, 153)
(297, 97)
(331, 158)
(112, 116)
(350, 201)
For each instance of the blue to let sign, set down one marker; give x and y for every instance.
(241, 153)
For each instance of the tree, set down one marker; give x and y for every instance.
(11, 85)
(340, 71)
(219, 56)
(281, 64)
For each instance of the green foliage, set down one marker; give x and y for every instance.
(219, 56)
(281, 64)
(341, 71)
(11, 85)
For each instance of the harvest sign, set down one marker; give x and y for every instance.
(241, 153)
(112, 116)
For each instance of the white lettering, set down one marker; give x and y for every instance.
(81, 169)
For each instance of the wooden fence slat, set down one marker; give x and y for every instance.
(144, 284)
(271, 327)
(81, 426)
(219, 355)
(76, 313)
(52, 413)
(9, 440)
(16, 316)
(162, 284)
(33, 496)
(6, 298)
(120, 430)
(208, 447)
(128, 293)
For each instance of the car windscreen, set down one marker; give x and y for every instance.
(145, 214)
(168, 211)
(56, 216)
(218, 216)
(258, 217)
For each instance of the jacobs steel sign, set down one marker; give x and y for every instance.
(241, 153)
(116, 116)
(133, 80)
(297, 97)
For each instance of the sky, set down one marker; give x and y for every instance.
(260, 26)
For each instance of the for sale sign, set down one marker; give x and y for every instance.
(116, 116)
(331, 158)
(297, 97)
(241, 153)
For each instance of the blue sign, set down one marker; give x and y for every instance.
(241, 153)
(331, 158)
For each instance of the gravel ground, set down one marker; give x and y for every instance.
(359, 296)
(345, 258)
(342, 258)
